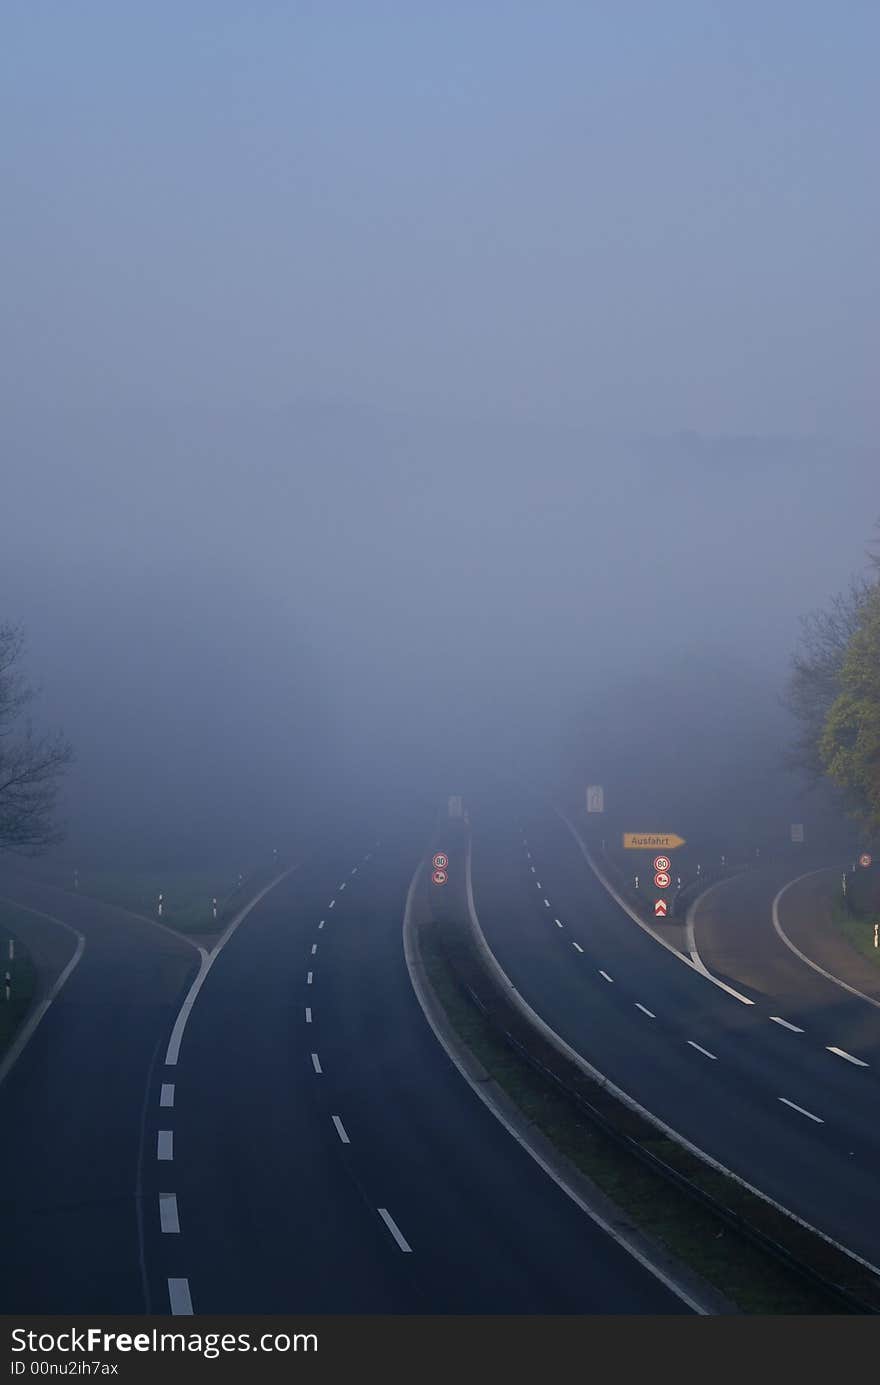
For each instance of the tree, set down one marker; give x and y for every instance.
(31, 766)
(850, 741)
(816, 668)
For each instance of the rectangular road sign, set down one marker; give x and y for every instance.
(595, 798)
(652, 841)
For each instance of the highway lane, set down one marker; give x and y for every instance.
(71, 1111)
(716, 1070)
(327, 1156)
(735, 938)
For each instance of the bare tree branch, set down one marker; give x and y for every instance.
(31, 767)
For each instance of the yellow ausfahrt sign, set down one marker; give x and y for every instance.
(652, 841)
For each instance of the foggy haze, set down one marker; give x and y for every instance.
(394, 396)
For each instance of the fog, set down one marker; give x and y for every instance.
(397, 398)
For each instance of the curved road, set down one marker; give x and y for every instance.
(796, 1121)
(312, 1149)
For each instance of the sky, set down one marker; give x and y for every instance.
(394, 383)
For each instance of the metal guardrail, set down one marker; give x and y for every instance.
(845, 1297)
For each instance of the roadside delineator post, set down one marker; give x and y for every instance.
(160, 906)
(7, 985)
(214, 905)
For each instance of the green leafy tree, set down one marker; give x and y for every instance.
(815, 678)
(850, 742)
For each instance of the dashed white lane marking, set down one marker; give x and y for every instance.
(331, 904)
(316, 1063)
(794, 1107)
(546, 904)
(308, 978)
(314, 948)
(539, 885)
(355, 871)
(607, 977)
(343, 885)
(558, 922)
(179, 1298)
(165, 1145)
(577, 947)
(394, 1229)
(645, 1011)
(168, 1218)
(166, 1095)
(368, 856)
(532, 869)
(842, 1053)
(340, 1130)
(705, 1051)
(321, 924)
(308, 1014)
(777, 1019)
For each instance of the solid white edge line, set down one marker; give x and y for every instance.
(316, 1063)
(166, 1094)
(29, 1028)
(644, 1009)
(172, 1053)
(700, 1049)
(340, 1129)
(618, 898)
(394, 1229)
(794, 1106)
(616, 1233)
(592, 1071)
(169, 1220)
(842, 1053)
(783, 936)
(165, 1145)
(786, 1024)
(179, 1298)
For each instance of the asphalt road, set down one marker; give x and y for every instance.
(790, 1117)
(312, 1149)
(327, 1157)
(736, 940)
(71, 1109)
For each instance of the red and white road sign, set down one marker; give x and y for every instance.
(660, 907)
(865, 859)
(661, 863)
(441, 860)
(439, 877)
(662, 880)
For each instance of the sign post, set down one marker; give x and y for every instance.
(652, 841)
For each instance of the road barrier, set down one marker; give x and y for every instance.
(849, 1282)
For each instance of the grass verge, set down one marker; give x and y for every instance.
(187, 896)
(857, 928)
(22, 975)
(751, 1278)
